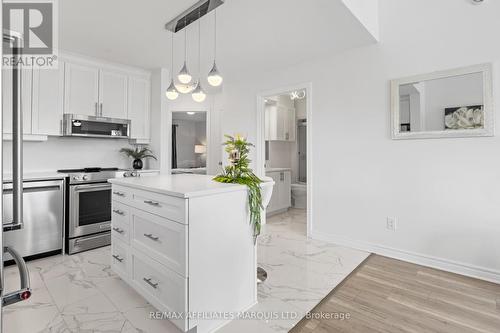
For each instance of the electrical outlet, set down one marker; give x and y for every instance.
(391, 224)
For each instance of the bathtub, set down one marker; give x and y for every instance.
(299, 195)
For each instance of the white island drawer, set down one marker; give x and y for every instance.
(120, 193)
(163, 288)
(121, 259)
(162, 239)
(172, 208)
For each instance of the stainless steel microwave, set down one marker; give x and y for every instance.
(98, 127)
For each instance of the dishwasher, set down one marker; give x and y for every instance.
(43, 212)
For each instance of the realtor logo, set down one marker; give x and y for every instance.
(36, 22)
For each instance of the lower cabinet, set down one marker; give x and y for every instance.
(185, 255)
(162, 287)
(281, 199)
(149, 251)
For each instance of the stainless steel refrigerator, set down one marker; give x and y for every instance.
(13, 40)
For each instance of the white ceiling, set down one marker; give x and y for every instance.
(253, 35)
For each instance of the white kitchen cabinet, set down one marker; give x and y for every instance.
(113, 94)
(281, 198)
(81, 89)
(280, 123)
(139, 90)
(26, 86)
(48, 101)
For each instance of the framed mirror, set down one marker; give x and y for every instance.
(453, 103)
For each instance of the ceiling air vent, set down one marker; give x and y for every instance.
(199, 9)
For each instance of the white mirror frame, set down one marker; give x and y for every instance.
(488, 130)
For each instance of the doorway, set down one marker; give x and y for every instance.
(284, 147)
(189, 142)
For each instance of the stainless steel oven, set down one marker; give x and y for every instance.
(88, 206)
(90, 209)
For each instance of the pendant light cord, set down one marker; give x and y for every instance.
(185, 41)
(199, 44)
(215, 35)
(172, 59)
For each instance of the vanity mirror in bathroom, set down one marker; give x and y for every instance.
(454, 103)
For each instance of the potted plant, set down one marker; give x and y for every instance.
(238, 172)
(138, 154)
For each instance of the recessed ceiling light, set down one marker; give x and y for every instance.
(191, 113)
(477, 2)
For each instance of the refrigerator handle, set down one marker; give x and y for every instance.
(17, 139)
(25, 292)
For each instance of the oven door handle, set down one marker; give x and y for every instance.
(83, 188)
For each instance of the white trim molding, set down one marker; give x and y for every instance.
(447, 265)
(489, 129)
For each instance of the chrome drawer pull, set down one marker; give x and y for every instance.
(150, 236)
(152, 203)
(148, 281)
(117, 258)
(119, 212)
(120, 194)
(118, 230)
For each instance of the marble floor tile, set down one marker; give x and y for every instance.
(246, 326)
(120, 294)
(80, 293)
(94, 314)
(140, 320)
(38, 314)
(70, 288)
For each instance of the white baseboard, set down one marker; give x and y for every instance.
(416, 258)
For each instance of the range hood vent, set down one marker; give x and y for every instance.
(198, 10)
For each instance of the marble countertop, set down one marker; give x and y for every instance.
(39, 175)
(183, 185)
(277, 169)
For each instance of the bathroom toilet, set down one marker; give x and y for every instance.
(299, 195)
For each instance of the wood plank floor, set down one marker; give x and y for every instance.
(386, 295)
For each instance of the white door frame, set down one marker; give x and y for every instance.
(167, 142)
(260, 149)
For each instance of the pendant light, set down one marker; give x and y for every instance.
(172, 92)
(184, 76)
(214, 78)
(198, 93)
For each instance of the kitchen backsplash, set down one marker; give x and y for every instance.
(65, 153)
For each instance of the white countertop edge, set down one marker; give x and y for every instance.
(39, 175)
(129, 182)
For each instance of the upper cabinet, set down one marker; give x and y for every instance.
(48, 97)
(139, 90)
(280, 123)
(79, 86)
(112, 94)
(81, 89)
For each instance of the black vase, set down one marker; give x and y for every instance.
(137, 165)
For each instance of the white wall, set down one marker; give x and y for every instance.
(66, 153)
(444, 193)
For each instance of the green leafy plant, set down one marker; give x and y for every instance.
(239, 172)
(138, 153)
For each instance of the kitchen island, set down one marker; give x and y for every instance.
(185, 244)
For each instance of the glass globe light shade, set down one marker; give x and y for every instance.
(198, 94)
(172, 92)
